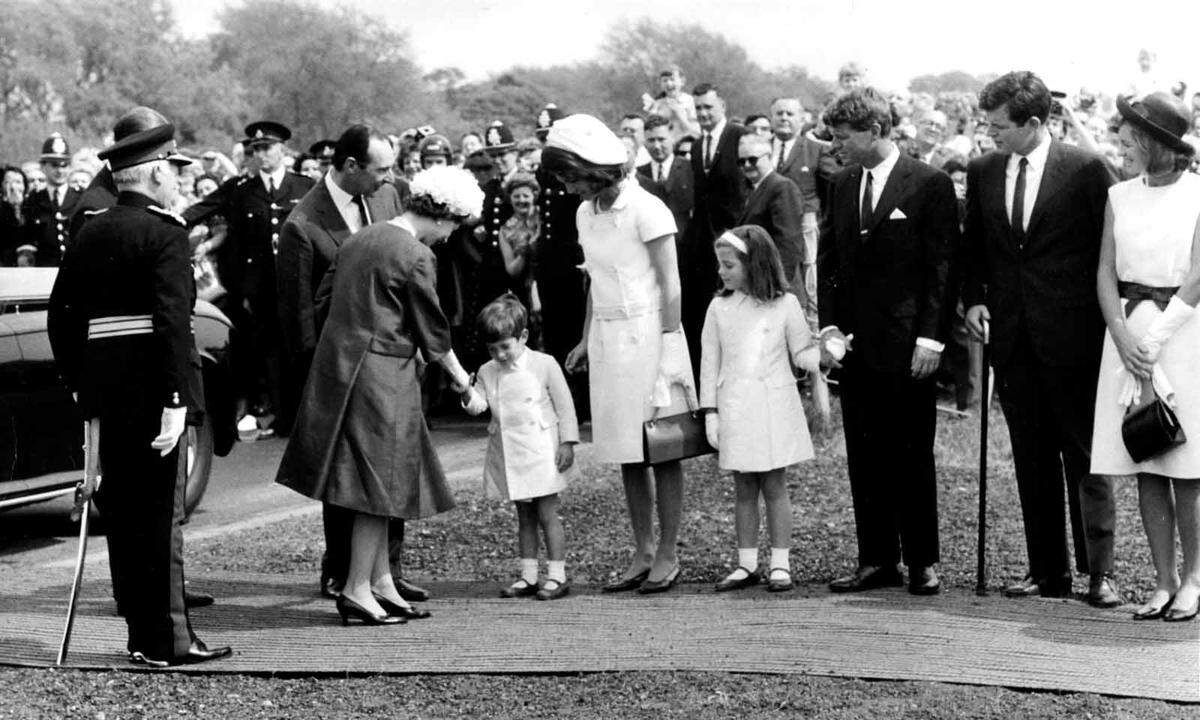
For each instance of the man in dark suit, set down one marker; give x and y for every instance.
(885, 253)
(255, 207)
(356, 192)
(720, 193)
(774, 204)
(809, 163)
(119, 323)
(47, 212)
(1035, 213)
(667, 177)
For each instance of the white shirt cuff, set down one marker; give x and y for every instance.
(929, 344)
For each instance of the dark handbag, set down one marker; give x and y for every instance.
(675, 437)
(1151, 430)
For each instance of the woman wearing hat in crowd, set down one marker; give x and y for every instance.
(12, 223)
(518, 235)
(1149, 284)
(632, 339)
(360, 440)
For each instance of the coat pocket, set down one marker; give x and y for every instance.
(396, 348)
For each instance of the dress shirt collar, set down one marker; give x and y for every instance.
(1036, 157)
(884, 168)
(276, 177)
(341, 199)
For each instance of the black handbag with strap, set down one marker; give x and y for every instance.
(675, 437)
(1151, 430)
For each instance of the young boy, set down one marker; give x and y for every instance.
(531, 440)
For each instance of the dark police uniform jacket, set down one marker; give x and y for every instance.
(47, 225)
(246, 260)
(128, 271)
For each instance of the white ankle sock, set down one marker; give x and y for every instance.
(557, 570)
(748, 558)
(529, 569)
(779, 559)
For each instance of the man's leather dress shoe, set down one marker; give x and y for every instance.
(923, 581)
(1102, 591)
(1029, 587)
(410, 592)
(197, 599)
(868, 577)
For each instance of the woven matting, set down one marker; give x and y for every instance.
(277, 625)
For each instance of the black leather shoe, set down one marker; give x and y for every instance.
(400, 611)
(197, 599)
(521, 588)
(560, 590)
(347, 608)
(750, 579)
(410, 592)
(1102, 591)
(627, 584)
(198, 652)
(1029, 587)
(775, 583)
(330, 588)
(868, 577)
(923, 581)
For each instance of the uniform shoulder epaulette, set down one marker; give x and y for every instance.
(97, 211)
(167, 215)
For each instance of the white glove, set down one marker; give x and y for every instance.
(473, 401)
(1164, 326)
(1129, 392)
(712, 428)
(836, 347)
(673, 369)
(170, 428)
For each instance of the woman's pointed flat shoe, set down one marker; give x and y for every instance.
(1181, 615)
(1149, 612)
(658, 586)
(627, 584)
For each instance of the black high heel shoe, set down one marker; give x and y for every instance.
(399, 611)
(347, 608)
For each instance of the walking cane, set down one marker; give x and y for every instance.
(984, 396)
(83, 505)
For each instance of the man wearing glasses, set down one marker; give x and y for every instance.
(773, 203)
(49, 210)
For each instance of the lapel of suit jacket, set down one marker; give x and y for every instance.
(896, 189)
(331, 220)
(794, 154)
(850, 207)
(1052, 177)
(992, 178)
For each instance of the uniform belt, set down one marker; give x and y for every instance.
(1136, 294)
(119, 325)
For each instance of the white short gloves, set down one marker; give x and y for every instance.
(170, 428)
(673, 369)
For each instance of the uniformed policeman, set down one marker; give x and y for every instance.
(255, 208)
(323, 151)
(120, 327)
(48, 211)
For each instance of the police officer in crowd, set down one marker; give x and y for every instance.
(48, 211)
(323, 151)
(255, 207)
(119, 324)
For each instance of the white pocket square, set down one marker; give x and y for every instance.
(897, 214)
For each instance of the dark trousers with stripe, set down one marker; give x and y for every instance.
(141, 500)
(889, 420)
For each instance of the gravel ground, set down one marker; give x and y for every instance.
(477, 541)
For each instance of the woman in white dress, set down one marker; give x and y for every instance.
(1149, 283)
(632, 341)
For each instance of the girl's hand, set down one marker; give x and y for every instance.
(1134, 357)
(577, 358)
(565, 457)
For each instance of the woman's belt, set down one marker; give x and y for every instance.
(1136, 294)
(622, 312)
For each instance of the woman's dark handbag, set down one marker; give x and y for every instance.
(1151, 430)
(675, 437)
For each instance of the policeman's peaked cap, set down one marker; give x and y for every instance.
(157, 143)
(266, 131)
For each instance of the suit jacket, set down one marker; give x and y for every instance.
(718, 200)
(676, 193)
(307, 244)
(776, 206)
(47, 227)
(811, 166)
(1045, 289)
(888, 286)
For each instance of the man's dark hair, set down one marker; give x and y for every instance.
(633, 116)
(704, 89)
(755, 116)
(354, 143)
(860, 109)
(1023, 92)
(656, 121)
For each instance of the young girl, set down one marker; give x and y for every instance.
(531, 439)
(754, 333)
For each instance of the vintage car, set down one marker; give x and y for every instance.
(41, 428)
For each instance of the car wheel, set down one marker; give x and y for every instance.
(199, 464)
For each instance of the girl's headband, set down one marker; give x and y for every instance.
(735, 241)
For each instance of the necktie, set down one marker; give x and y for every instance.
(364, 218)
(782, 154)
(1018, 204)
(865, 211)
(657, 172)
(707, 151)
(271, 186)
